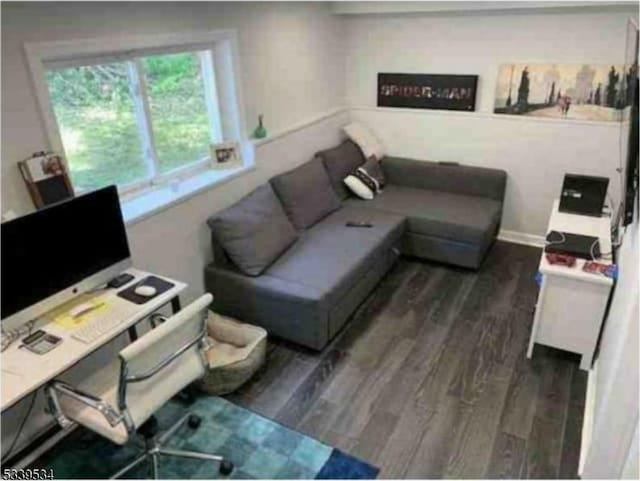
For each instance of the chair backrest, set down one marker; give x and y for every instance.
(163, 362)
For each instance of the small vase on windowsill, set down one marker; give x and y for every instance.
(260, 132)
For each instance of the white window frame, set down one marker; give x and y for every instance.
(221, 81)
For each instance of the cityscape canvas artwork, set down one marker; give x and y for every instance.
(569, 91)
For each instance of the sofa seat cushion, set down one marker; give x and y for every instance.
(439, 214)
(330, 257)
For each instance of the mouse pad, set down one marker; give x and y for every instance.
(161, 286)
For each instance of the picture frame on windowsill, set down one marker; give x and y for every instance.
(225, 155)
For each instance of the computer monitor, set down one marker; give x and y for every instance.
(56, 253)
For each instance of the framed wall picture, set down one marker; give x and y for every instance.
(226, 155)
(562, 91)
(427, 91)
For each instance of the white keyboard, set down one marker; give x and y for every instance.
(100, 325)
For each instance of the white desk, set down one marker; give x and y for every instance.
(24, 371)
(571, 302)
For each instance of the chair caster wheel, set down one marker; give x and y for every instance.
(194, 421)
(226, 467)
(187, 396)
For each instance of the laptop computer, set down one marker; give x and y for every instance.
(583, 194)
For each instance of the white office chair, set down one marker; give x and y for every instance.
(123, 396)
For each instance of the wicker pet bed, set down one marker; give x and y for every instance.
(237, 351)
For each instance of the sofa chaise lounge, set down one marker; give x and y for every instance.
(442, 212)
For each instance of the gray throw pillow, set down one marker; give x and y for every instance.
(254, 231)
(374, 169)
(340, 161)
(306, 193)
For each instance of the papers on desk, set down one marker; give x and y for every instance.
(63, 316)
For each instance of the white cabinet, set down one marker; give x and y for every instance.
(571, 302)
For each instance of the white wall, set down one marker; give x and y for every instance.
(292, 71)
(631, 469)
(535, 152)
(612, 453)
(291, 60)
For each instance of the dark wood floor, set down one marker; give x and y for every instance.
(430, 379)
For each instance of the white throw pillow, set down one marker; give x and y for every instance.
(365, 139)
(362, 184)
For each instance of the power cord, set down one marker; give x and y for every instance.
(591, 249)
(22, 423)
(12, 335)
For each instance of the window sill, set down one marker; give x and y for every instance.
(140, 206)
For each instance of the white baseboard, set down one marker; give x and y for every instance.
(521, 238)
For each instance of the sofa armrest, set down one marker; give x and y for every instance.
(458, 179)
(286, 309)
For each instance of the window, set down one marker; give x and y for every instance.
(134, 122)
(142, 111)
(96, 118)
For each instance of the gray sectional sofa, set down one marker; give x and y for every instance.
(442, 212)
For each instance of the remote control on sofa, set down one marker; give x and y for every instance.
(353, 223)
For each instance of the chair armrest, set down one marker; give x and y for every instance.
(57, 388)
(447, 177)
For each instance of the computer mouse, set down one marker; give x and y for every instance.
(145, 291)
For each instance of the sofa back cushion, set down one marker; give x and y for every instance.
(340, 161)
(254, 231)
(445, 177)
(306, 193)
